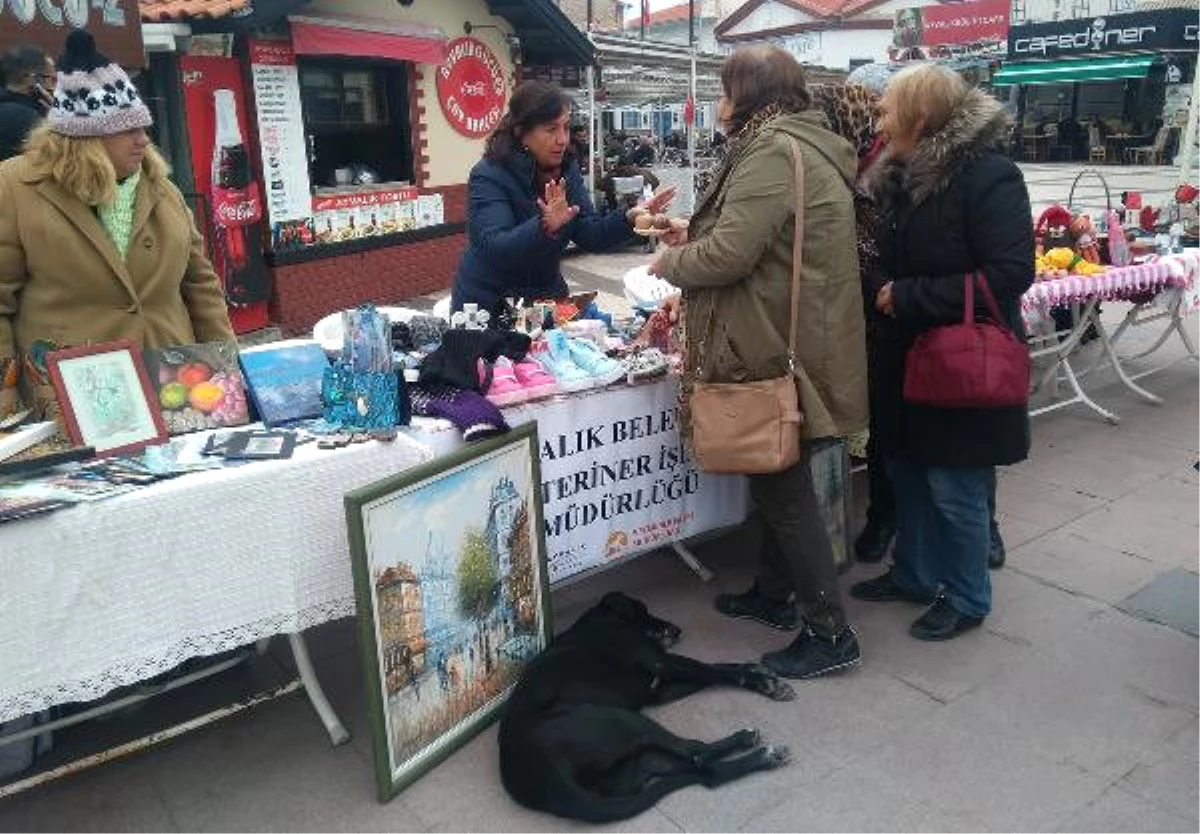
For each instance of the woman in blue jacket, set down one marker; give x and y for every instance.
(527, 201)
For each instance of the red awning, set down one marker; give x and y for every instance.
(364, 38)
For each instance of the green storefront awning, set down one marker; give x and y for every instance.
(1059, 72)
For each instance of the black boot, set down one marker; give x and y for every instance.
(996, 554)
(752, 605)
(810, 655)
(873, 542)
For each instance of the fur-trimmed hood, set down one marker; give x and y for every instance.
(978, 125)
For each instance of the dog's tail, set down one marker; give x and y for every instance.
(577, 802)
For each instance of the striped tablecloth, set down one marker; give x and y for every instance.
(1117, 283)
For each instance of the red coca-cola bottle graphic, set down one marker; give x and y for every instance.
(236, 208)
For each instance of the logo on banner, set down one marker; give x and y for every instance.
(471, 87)
(1095, 38)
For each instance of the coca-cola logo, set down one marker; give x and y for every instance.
(235, 207)
(238, 212)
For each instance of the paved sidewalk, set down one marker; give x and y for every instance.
(1063, 713)
(1073, 709)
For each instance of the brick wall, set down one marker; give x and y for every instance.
(304, 293)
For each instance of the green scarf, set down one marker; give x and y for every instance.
(117, 217)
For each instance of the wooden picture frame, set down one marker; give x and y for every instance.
(453, 597)
(106, 398)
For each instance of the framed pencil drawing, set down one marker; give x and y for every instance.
(106, 398)
(453, 599)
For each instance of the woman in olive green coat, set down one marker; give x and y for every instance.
(736, 277)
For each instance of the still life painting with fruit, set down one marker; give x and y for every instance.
(198, 386)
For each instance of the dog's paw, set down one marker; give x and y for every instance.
(776, 755)
(747, 738)
(762, 680)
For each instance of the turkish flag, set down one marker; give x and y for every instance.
(689, 111)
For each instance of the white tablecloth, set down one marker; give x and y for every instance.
(106, 594)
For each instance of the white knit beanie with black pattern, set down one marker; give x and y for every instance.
(94, 96)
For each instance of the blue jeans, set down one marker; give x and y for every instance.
(943, 533)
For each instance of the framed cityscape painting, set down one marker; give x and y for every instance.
(453, 598)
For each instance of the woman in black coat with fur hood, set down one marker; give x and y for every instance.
(952, 204)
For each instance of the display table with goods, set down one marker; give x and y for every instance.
(109, 593)
(169, 548)
(1159, 288)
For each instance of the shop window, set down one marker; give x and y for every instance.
(356, 117)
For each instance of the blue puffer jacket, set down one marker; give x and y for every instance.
(507, 253)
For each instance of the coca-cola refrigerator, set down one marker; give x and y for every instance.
(227, 190)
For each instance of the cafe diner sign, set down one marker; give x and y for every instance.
(471, 87)
(1137, 31)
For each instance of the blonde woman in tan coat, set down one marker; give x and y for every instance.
(96, 243)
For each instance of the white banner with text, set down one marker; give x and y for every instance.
(616, 479)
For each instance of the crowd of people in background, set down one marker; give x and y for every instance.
(904, 192)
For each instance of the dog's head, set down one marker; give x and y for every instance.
(634, 613)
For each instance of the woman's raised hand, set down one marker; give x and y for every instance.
(657, 203)
(556, 211)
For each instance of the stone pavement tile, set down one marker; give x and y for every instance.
(1027, 610)
(1159, 663)
(732, 806)
(1066, 559)
(464, 793)
(1167, 499)
(1117, 810)
(858, 798)
(118, 796)
(849, 716)
(942, 671)
(274, 769)
(1169, 775)
(983, 780)
(1170, 599)
(1105, 465)
(1159, 541)
(1017, 532)
(1075, 710)
(1041, 506)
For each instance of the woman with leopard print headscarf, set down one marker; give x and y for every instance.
(850, 110)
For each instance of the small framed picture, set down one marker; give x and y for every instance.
(260, 445)
(106, 398)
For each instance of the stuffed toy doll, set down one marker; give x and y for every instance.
(1083, 230)
(1053, 229)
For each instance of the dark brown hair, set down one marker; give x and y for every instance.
(533, 103)
(758, 76)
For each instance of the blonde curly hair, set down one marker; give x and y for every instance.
(81, 164)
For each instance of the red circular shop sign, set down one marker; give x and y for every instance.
(471, 87)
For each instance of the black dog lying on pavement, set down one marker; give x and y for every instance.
(573, 743)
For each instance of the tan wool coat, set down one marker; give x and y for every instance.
(63, 280)
(736, 274)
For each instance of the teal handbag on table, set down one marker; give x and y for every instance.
(361, 390)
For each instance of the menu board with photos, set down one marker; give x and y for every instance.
(281, 133)
(348, 215)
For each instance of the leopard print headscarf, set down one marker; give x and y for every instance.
(850, 111)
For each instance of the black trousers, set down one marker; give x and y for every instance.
(796, 555)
